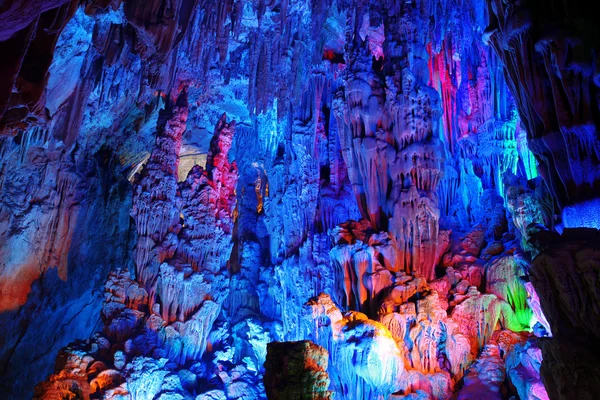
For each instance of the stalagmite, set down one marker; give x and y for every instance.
(346, 200)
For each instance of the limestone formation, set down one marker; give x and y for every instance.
(339, 199)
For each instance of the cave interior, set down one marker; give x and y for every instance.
(299, 199)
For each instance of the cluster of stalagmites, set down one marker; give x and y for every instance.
(436, 313)
(410, 337)
(158, 326)
(141, 355)
(423, 340)
(465, 332)
(184, 229)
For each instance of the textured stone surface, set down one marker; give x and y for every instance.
(296, 370)
(561, 54)
(211, 166)
(564, 277)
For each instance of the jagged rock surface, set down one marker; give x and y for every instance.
(296, 370)
(381, 154)
(564, 275)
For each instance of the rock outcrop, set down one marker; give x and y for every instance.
(185, 183)
(563, 276)
(548, 50)
(296, 370)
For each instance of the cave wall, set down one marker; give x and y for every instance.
(548, 50)
(183, 181)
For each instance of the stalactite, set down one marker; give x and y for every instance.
(550, 116)
(386, 161)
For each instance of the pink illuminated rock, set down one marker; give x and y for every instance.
(479, 326)
(154, 208)
(375, 36)
(533, 301)
(523, 367)
(421, 386)
(485, 378)
(473, 242)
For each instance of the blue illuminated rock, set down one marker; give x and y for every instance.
(208, 167)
